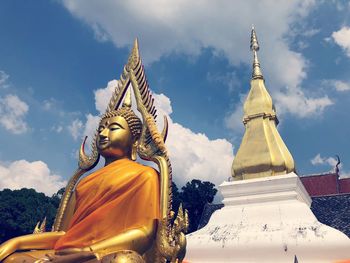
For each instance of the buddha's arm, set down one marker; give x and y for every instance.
(45, 240)
(138, 240)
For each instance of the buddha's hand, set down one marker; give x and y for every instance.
(7, 248)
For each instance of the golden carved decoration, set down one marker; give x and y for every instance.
(40, 227)
(262, 151)
(170, 240)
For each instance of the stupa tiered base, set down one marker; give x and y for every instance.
(266, 220)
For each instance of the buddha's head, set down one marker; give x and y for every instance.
(118, 133)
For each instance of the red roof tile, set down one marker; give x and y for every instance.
(319, 185)
(344, 185)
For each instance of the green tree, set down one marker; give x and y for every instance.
(194, 196)
(20, 210)
(56, 198)
(175, 197)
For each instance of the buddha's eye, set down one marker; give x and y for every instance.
(115, 126)
(100, 129)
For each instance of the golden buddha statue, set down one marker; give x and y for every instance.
(121, 212)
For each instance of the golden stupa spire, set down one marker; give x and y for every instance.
(254, 46)
(262, 151)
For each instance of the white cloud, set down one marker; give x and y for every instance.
(49, 104)
(188, 27)
(342, 38)
(177, 28)
(90, 128)
(341, 85)
(338, 85)
(339, 5)
(37, 175)
(100, 34)
(12, 109)
(194, 155)
(91, 124)
(234, 120)
(76, 128)
(311, 32)
(294, 101)
(162, 104)
(12, 113)
(57, 128)
(331, 161)
(102, 96)
(302, 45)
(317, 160)
(328, 39)
(3, 79)
(323, 160)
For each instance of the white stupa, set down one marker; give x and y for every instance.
(266, 215)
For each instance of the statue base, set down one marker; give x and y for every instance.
(266, 220)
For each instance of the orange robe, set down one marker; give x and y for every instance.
(121, 196)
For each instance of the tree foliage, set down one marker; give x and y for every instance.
(194, 196)
(20, 210)
(175, 197)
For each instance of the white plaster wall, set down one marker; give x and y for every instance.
(264, 230)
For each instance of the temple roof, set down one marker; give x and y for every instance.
(325, 184)
(333, 211)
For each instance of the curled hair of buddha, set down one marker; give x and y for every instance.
(134, 122)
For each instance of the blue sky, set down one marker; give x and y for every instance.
(57, 58)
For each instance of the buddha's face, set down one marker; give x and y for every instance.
(114, 138)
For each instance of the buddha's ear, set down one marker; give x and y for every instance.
(134, 150)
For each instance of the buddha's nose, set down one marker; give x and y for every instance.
(104, 133)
